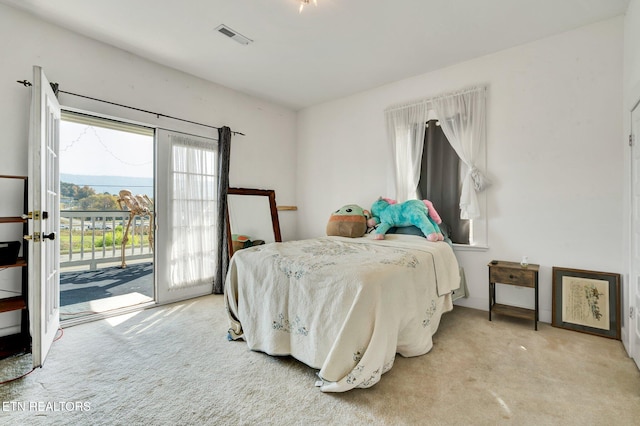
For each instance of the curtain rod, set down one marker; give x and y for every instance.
(55, 88)
(430, 100)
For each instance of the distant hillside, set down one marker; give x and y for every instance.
(111, 184)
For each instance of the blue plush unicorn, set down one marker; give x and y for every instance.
(387, 213)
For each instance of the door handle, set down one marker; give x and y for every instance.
(51, 236)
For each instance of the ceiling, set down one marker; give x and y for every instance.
(333, 50)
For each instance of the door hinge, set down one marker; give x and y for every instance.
(631, 139)
(631, 312)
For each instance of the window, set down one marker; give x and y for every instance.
(441, 182)
(193, 205)
(462, 119)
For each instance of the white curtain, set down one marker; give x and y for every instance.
(405, 130)
(462, 119)
(192, 212)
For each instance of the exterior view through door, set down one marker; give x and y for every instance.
(106, 216)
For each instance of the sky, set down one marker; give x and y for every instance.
(97, 151)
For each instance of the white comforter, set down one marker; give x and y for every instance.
(345, 306)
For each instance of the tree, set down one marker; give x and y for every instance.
(99, 202)
(74, 191)
(85, 192)
(68, 190)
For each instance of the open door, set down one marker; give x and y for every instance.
(44, 210)
(634, 285)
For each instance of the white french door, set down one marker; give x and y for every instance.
(44, 208)
(634, 284)
(186, 214)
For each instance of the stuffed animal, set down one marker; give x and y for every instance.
(433, 214)
(386, 213)
(348, 221)
(239, 242)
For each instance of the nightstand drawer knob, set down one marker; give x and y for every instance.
(511, 276)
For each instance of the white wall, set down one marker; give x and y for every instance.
(632, 45)
(631, 82)
(264, 158)
(554, 127)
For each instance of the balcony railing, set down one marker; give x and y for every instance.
(94, 237)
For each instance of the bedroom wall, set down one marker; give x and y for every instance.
(553, 152)
(264, 158)
(632, 45)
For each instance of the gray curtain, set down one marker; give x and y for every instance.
(440, 182)
(224, 155)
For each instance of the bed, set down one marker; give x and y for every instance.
(343, 306)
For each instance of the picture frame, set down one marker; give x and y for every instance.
(586, 301)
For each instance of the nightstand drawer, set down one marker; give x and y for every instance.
(521, 277)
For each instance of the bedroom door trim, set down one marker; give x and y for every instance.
(634, 273)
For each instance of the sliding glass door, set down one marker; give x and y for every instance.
(186, 212)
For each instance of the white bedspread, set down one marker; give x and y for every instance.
(345, 306)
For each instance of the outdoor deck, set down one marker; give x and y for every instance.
(91, 279)
(111, 287)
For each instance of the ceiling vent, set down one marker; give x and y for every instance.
(232, 34)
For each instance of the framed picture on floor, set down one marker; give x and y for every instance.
(586, 301)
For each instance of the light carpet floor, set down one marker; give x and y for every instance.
(172, 365)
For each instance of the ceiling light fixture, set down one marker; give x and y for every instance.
(303, 2)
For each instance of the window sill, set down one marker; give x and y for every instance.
(466, 247)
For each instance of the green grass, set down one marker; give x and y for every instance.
(102, 239)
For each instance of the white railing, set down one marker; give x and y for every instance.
(94, 237)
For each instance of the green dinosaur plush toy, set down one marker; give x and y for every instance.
(348, 221)
(387, 213)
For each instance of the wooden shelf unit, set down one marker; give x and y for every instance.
(512, 273)
(14, 219)
(12, 304)
(19, 342)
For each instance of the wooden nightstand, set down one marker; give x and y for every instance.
(512, 273)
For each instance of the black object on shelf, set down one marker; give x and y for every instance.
(9, 252)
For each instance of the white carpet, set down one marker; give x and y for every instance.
(173, 366)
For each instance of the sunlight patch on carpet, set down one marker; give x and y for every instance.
(99, 306)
